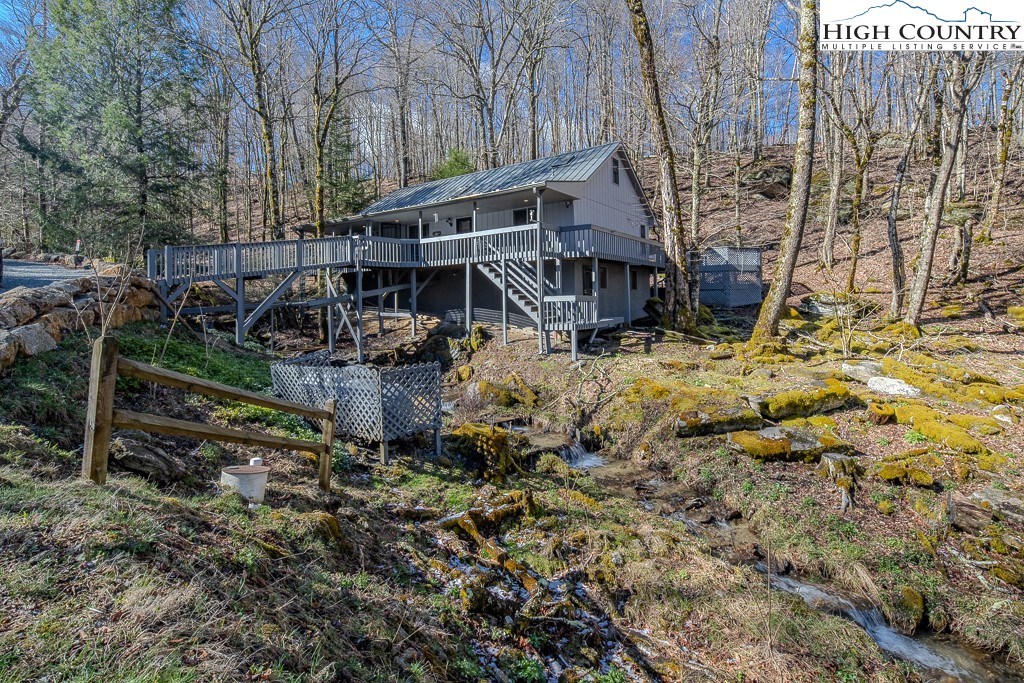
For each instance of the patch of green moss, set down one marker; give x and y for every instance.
(805, 402)
(952, 312)
(646, 389)
(950, 436)
(913, 413)
(1016, 312)
(886, 507)
(991, 462)
(979, 388)
(761, 447)
(985, 426)
(901, 330)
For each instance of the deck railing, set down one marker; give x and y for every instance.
(590, 240)
(518, 242)
(253, 259)
(566, 312)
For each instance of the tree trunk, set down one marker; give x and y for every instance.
(767, 325)
(677, 294)
(1004, 140)
(836, 165)
(899, 273)
(961, 87)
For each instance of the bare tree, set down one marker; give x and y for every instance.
(964, 73)
(678, 302)
(767, 325)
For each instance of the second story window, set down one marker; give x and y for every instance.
(615, 171)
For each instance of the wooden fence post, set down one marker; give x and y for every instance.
(327, 457)
(102, 378)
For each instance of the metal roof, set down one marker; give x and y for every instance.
(569, 167)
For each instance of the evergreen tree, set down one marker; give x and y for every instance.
(457, 163)
(115, 87)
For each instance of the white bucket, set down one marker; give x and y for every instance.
(249, 480)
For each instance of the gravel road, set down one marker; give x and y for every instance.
(32, 274)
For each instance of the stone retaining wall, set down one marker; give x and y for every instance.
(34, 320)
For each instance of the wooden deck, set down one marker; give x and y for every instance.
(207, 263)
(176, 268)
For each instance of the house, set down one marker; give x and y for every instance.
(558, 244)
(478, 239)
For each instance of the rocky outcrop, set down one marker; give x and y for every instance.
(35, 320)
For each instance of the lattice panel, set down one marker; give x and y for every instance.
(375, 404)
(730, 276)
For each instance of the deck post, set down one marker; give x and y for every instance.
(504, 301)
(539, 192)
(385, 452)
(437, 442)
(654, 283)
(597, 286)
(380, 301)
(469, 298)
(412, 300)
(629, 303)
(575, 343)
(329, 290)
(360, 356)
(239, 297)
(165, 288)
(421, 225)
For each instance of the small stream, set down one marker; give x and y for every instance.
(941, 658)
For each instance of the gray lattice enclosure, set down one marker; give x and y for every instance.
(730, 276)
(375, 404)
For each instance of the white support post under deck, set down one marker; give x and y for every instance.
(380, 301)
(504, 301)
(239, 297)
(412, 300)
(541, 348)
(469, 298)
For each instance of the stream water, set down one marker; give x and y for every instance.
(939, 657)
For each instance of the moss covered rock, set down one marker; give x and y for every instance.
(805, 401)
(787, 444)
(907, 610)
(716, 421)
(464, 373)
(880, 413)
(950, 436)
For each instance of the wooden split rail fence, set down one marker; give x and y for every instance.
(102, 417)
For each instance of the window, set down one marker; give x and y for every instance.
(603, 272)
(588, 281)
(463, 225)
(615, 171)
(524, 216)
(632, 279)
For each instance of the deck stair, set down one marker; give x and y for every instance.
(522, 283)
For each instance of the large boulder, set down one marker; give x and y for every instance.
(862, 370)
(10, 346)
(815, 399)
(717, 421)
(15, 308)
(890, 386)
(34, 339)
(787, 444)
